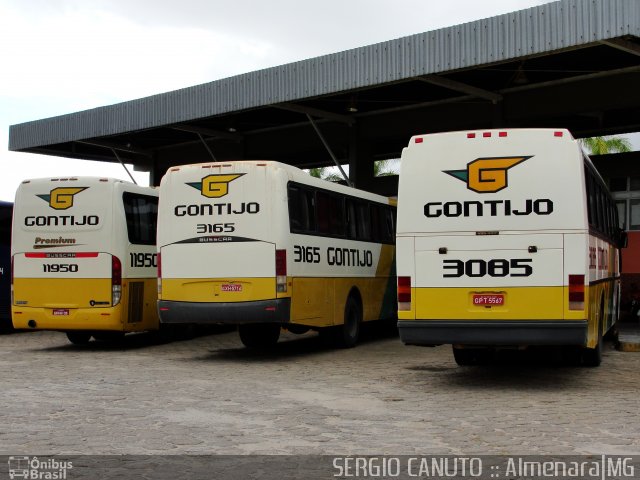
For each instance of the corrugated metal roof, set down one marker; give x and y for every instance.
(555, 26)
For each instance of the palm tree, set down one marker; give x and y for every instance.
(602, 145)
(325, 173)
(384, 168)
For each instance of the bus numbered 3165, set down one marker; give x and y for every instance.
(265, 246)
(84, 257)
(506, 238)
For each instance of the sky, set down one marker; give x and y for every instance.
(64, 56)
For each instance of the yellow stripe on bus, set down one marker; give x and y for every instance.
(218, 290)
(520, 303)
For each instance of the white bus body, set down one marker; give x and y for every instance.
(230, 253)
(84, 257)
(498, 246)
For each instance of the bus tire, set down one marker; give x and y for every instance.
(349, 332)
(109, 337)
(259, 335)
(79, 338)
(471, 356)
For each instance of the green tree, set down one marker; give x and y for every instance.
(384, 168)
(602, 145)
(325, 173)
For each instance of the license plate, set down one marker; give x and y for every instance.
(488, 299)
(231, 287)
(60, 312)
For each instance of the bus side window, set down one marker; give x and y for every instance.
(352, 219)
(141, 213)
(364, 221)
(330, 214)
(301, 210)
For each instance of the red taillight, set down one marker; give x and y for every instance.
(576, 292)
(404, 293)
(116, 280)
(281, 271)
(281, 263)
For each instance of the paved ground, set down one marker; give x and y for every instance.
(210, 395)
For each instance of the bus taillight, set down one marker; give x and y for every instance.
(576, 292)
(281, 271)
(116, 280)
(404, 293)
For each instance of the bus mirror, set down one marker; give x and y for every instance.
(623, 239)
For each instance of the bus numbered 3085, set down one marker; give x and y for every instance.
(506, 238)
(84, 257)
(265, 246)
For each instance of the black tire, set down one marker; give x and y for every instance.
(259, 335)
(79, 338)
(348, 333)
(109, 337)
(471, 356)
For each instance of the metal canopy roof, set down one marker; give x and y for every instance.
(572, 64)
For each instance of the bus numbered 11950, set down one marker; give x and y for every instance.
(84, 257)
(264, 245)
(506, 238)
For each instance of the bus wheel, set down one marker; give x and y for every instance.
(109, 337)
(471, 356)
(347, 335)
(259, 335)
(79, 338)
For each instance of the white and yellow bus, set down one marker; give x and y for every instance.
(263, 245)
(505, 238)
(84, 257)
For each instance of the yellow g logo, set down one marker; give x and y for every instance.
(215, 186)
(487, 175)
(61, 198)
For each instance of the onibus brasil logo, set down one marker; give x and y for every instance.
(61, 198)
(216, 185)
(487, 175)
(35, 468)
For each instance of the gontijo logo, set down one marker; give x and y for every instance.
(215, 186)
(487, 175)
(61, 198)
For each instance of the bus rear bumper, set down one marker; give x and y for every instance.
(229, 313)
(67, 320)
(502, 332)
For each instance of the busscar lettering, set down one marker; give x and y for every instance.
(493, 208)
(61, 220)
(211, 209)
